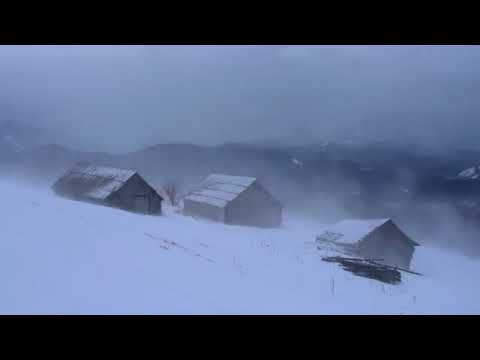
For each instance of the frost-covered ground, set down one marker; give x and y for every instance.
(64, 257)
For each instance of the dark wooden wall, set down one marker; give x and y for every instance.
(134, 187)
(390, 244)
(203, 210)
(254, 207)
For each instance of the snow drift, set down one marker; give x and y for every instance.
(59, 256)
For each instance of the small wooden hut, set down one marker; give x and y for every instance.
(235, 200)
(375, 239)
(124, 189)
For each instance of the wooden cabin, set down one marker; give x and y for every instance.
(119, 188)
(375, 239)
(235, 200)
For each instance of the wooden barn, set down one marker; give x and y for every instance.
(124, 189)
(234, 200)
(373, 239)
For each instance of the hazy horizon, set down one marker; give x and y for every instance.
(124, 98)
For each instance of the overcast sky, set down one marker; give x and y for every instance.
(121, 98)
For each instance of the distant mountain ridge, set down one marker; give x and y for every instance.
(326, 167)
(17, 137)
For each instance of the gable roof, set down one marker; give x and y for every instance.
(353, 231)
(218, 190)
(93, 182)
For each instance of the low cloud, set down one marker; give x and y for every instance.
(120, 98)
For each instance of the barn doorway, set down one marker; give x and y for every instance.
(141, 204)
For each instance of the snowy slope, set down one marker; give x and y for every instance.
(65, 257)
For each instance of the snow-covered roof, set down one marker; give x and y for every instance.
(108, 172)
(244, 181)
(350, 231)
(93, 182)
(471, 173)
(218, 190)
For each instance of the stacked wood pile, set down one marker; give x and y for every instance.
(370, 268)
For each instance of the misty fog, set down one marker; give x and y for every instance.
(123, 98)
(182, 112)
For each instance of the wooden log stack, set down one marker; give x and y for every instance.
(370, 268)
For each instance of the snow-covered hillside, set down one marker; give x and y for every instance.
(65, 257)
